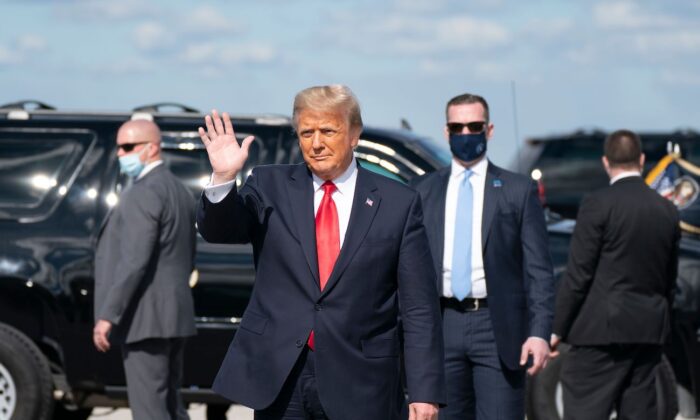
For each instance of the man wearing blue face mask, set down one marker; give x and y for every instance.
(488, 239)
(145, 254)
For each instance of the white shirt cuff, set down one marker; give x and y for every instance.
(532, 336)
(216, 193)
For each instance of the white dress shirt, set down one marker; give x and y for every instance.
(478, 183)
(148, 168)
(343, 195)
(625, 174)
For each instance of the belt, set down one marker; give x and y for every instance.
(466, 305)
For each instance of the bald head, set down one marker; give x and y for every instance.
(141, 130)
(142, 134)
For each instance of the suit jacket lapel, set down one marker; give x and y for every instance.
(361, 217)
(301, 200)
(492, 194)
(438, 228)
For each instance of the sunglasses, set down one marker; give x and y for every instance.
(474, 127)
(128, 147)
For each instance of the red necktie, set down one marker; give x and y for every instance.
(327, 239)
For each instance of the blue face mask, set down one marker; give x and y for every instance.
(468, 147)
(131, 165)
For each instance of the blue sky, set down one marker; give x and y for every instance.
(584, 64)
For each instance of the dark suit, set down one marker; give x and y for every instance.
(384, 262)
(517, 265)
(614, 301)
(145, 254)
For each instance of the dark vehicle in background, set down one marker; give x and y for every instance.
(58, 178)
(566, 168)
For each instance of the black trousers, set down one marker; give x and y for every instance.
(598, 379)
(298, 399)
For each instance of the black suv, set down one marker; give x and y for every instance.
(568, 166)
(58, 177)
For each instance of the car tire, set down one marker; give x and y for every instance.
(544, 392)
(25, 377)
(62, 413)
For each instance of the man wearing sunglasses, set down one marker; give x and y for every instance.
(145, 254)
(488, 240)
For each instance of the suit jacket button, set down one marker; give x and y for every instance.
(318, 306)
(299, 343)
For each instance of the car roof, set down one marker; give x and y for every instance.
(600, 133)
(36, 110)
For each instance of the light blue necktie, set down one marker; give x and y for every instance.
(462, 248)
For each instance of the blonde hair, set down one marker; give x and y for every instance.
(328, 98)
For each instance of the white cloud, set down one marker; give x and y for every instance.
(126, 66)
(198, 53)
(8, 56)
(415, 35)
(227, 54)
(208, 20)
(106, 10)
(548, 29)
(152, 36)
(31, 43)
(22, 49)
(679, 77)
(628, 15)
(668, 43)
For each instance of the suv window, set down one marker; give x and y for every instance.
(37, 169)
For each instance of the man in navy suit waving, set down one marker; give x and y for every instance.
(488, 239)
(340, 254)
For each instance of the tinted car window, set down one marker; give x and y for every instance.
(37, 169)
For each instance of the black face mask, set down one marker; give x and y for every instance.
(468, 147)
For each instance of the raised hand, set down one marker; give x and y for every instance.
(225, 155)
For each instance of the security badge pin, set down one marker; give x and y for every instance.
(497, 183)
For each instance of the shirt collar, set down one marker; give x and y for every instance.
(148, 168)
(345, 183)
(625, 174)
(478, 169)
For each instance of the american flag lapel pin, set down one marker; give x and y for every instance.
(369, 202)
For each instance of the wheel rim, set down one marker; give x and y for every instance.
(8, 394)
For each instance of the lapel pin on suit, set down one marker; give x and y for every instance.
(369, 202)
(497, 183)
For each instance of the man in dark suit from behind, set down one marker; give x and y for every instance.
(489, 243)
(340, 252)
(613, 304)
(145, 254)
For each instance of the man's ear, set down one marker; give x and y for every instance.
(606, 164)
(489, 131)
(641, 162)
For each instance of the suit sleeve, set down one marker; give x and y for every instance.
(537, 264)
(137, 250)
(586, 244)
(234, 219)
(420, 313)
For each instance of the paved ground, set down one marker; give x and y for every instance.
(196, 413)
